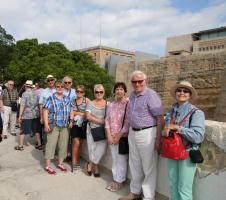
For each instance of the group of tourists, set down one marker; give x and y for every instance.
(132, 128)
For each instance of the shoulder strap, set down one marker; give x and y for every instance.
(124, 115)
(77, 105)
(9, 96)
(190, 118)
(186, 116)
(105, 109)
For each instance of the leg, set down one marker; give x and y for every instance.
(12, 120)
(135, 164)
(173, 171)
(62, 144)
(186, 176)
(75, 150)
(6, 114)
(145, 141)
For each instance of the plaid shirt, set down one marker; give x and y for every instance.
(5, 96)
(59, 110)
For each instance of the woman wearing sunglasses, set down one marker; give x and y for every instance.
(181, 172)
(78, 124)
(95, 114)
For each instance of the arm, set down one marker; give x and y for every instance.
(160, 124)
(94, 119)
(1, 106)
(21, 113)
(46, 120)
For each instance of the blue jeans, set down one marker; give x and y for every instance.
(181, 175)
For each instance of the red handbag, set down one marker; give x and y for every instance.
(172, 146)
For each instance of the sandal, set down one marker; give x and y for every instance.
(39, 147)
(115, 187)
(62, 167)
(50, 170)
(89, 173)
(109, 186)
(19, 148)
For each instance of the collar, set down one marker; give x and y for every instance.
(141, 94)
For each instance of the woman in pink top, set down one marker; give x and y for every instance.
(115, 130)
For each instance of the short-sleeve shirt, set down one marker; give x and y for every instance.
(97, 112)
(144, 108)
(30, 102)
(9, 96)
(59, 110)
(71, 94)
(45, 94)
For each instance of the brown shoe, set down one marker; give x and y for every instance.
(131, 196)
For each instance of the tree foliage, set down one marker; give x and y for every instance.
(6, 47)
(34, 61)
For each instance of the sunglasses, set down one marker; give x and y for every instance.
(59, 86)
(99, 92)
(183, 90)
(138, 81)
(10, 84)
(67, 82)
(79, 91)
(49, 80)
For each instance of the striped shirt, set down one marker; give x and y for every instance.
(144, 108)
(59, 110)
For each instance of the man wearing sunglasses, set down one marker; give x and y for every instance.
(145, 120)
(50, 80)
(68, 90)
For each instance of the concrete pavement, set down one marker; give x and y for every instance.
(22, 178)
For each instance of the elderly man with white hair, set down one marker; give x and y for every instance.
(145, 120)
(68, 90)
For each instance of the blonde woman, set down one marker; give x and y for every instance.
(95, 114)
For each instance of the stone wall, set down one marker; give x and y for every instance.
(205, 72)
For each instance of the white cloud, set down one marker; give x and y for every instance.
(128, 24)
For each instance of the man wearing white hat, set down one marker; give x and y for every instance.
(29, 116)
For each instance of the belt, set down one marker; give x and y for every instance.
(140, 129)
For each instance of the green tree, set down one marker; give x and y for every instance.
(6, 48)
(35, 61)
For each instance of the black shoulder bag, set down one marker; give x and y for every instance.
(123, 145)
(13, 105)
(195, 154)
(98, 133)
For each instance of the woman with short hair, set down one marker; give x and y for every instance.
(116, 126)
(95, 114)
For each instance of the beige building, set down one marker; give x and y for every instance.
(207, 41)
(100, 53)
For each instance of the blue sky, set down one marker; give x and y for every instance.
(134, 25)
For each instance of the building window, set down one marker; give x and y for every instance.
(214, 47)
(200, 49)
(207, 48)
(211, 47)
(222, 46)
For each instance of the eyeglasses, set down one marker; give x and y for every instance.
(99, 92)
(183, 90)
(79, 91)
(49, 80)
(138, 81)
(67, 82)
(59, 86)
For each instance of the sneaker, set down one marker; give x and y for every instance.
(13, 134)
(4, 136)
(131, 196)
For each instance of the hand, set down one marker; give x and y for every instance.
(70, 125)
(47, 129)
(41, 120)
(171, 127)
(20, 119)
(158, 144)
(110, 140)
(117, 138)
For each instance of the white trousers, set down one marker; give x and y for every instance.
(96, 149)
(119, 164)
(9, 117)
(143, 162)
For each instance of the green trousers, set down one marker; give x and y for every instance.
(181, 175)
